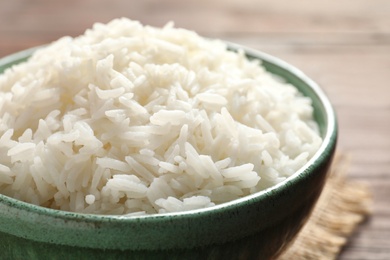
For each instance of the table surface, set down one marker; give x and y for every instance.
(344, 45)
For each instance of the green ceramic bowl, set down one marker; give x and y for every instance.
(259, 226)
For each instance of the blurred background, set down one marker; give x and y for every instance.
(344, 45)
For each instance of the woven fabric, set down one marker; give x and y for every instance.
(343, 204)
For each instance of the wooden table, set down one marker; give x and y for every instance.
(344, 45)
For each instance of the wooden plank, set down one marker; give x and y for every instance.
(247, 16)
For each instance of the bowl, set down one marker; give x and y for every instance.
(259, 226)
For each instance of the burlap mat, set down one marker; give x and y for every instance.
(342, 206)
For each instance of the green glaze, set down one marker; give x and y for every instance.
(257, 226)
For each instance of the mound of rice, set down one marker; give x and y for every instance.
(132, 119)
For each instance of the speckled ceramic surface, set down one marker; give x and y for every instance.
(260, 225)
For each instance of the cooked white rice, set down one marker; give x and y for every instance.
(132, 119)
